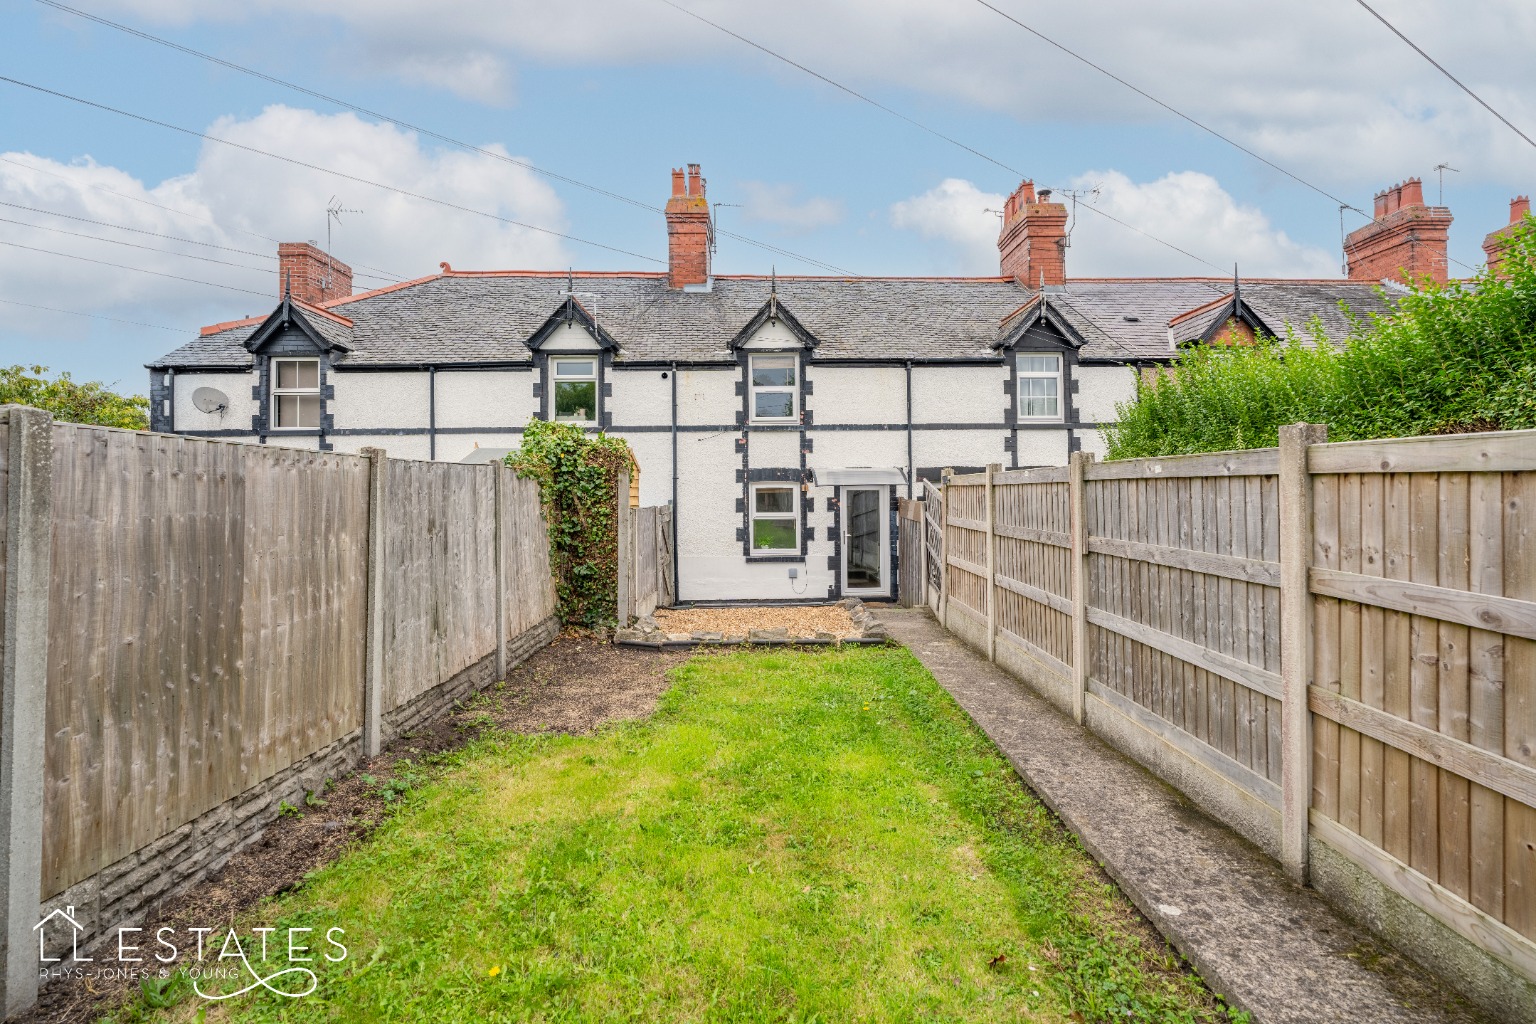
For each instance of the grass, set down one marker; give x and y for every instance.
(817, 836)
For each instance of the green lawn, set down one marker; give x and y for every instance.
(794, 836)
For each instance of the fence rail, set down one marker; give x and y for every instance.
(1331, 646)
(197, 630)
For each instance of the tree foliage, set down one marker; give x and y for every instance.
(1452, 359)
(577, 473)
(72, 400)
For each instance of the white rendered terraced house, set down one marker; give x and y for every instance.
(781, 416)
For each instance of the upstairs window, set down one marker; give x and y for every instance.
(295, 394)
(775, 523)
(1039, 387)
(575, 389)
(774, 390)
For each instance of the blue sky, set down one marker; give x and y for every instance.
(615, 94)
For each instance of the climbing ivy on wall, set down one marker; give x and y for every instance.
(576, 473)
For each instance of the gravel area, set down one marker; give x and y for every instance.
(799, 620)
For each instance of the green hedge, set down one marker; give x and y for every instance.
(1453, 359)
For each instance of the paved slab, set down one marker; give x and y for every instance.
(1266, 945)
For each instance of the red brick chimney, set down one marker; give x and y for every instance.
(1032, 246)
(311, 274)
(1406, 240)
(1498, 241)
(689, 230)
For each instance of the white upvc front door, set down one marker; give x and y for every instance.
(866, 541)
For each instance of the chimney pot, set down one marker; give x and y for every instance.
(689, 230)
(1406, 240)
(1518, 208)
(1032, 243)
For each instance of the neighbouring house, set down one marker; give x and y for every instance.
(781, 416)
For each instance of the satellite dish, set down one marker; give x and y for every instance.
(210, 400)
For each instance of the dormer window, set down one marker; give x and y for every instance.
(774, 388)
(1039, 387)
(295, 394)
(575, 389)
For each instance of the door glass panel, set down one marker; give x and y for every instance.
(865, 517)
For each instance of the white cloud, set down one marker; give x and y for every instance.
(1316, 85)
(1188, 209)
(956, 216)
(780, 205)
(242, 201)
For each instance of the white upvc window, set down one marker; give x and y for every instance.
(574, 386)
(1039, 387)
(775, 519)
(773, 388)
(295, 394)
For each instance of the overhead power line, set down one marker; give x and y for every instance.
(135, 245)
(1168, 107)
(144, 119)
(168, 209)
(429, 133)
(1441, 68)
(136, 270)
(921, 126)
(93, 316)
(155, 234)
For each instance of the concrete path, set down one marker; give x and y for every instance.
(1266, 945)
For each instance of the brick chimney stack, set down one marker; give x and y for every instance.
(312, 274)
(689, 230)
(1406, 240)
(1498, 241)
(1032, 245)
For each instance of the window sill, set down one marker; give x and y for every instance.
(783, 556)
(791, 424)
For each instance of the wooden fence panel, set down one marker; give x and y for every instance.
(1393, 657)
(1034, 568)
(204, 630)
(1184, 601)
(911, 542)
(439, 552)
(965, 548)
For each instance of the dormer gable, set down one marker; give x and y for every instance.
(571, 328)
(296, 326)
(1228, 320)
(1038, 323)
(774, 327)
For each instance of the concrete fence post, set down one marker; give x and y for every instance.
(373, 666)
(1077, 509)
(500, 489)
(944, 478)
(626, 572)
(1295, 643)
(23, 717)
(993, 469)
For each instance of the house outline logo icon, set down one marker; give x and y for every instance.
(68, 914)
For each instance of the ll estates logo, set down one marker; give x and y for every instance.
(221, 964)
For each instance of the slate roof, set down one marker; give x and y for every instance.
(479, 317)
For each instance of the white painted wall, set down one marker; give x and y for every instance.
(707, 397)
(773, 335)
(840, 449)
(570, 337)
(653, 451)
(476, 398)
(1043, 447)
(1093, 441)
(236, 386)
(959, 394)
(1099, 388)
(854, 394)
(959, 447)
(396, 446)
(373, 400)
(773, 449)
(640, 397)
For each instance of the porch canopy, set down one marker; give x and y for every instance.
(858, 476)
